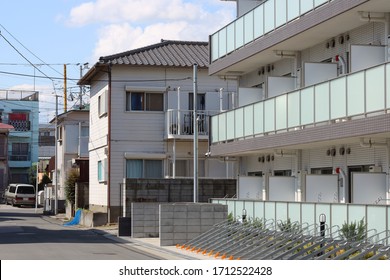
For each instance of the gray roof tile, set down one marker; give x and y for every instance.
(166, 53)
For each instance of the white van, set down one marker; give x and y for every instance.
(20, 194)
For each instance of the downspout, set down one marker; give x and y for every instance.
(109, 145)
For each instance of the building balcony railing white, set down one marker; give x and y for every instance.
(360, 93)
(180, 122)
(265, 18)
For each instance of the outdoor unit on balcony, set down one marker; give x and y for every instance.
(375, 169)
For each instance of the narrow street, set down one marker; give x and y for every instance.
(26, 235)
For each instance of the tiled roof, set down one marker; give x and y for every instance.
(166, 53)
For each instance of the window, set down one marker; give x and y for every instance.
(102, 170)
(144, 101)
(20, 152)
(322, 171)
(200, 101)
(102, 104)
(139, 168)
(282, 173)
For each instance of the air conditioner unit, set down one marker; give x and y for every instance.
(375, 169)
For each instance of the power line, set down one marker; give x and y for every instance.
(39, 70)
(44, 63)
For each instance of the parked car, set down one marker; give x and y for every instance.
(20, 194)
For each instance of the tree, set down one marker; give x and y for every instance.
(70, 185)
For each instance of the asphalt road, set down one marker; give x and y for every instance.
(29, 235)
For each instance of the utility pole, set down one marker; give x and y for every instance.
(65, 90)
(195, 129)
(82, 67)
(56, 165)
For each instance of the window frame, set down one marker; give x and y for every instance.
(146, 103)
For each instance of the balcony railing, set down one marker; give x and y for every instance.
(20, 125)
(180, 122)
(19, 158)
(19, 95)
(256, 23)
(357, 94)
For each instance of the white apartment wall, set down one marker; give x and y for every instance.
(370, 33)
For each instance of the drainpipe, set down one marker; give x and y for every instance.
(370, 144)
(340, 171)
(109, 145)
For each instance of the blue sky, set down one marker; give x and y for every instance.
(58, 32)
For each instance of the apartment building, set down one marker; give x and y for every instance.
(311, 122)
(20, 109)
(141, 118)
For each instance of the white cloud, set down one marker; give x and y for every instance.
(130, 24)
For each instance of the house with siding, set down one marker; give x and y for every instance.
(72, 149)
(141, 121)
(311, 126)
(19, 109)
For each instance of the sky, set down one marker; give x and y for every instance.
(38, 37)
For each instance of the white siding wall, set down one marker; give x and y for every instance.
(143, 132)
(98, 142)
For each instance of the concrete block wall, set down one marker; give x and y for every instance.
(182, 222)
(144, 220)
(175, 191)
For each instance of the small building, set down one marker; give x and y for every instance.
(20, 109)
(141, 118)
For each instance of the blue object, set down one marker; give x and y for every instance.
(76, 219)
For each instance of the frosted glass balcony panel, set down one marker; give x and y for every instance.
(222, 127)
(292, 9)
(388, 86)
(269, 210)
(294, 212)
(308, 214)
(269, 16)
(375, 217)
(215, 48)
(281, 211)
(281, 12)
(306, 5)
(258, 117)
(355, 94)
(293, 110)
(356, 213)
(259, 21)
(215, 129)
(269, 115)
(307, 106)
(322, 102)
(338, 98)
(239, 126)
(222, 42)
(248, 117)
(281, 112)
(375, 85)
(230, 38)
(339, 215)
(239, 32)
(259, 209)
(230, 125)
(248, 27)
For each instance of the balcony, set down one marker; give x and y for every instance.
(357, 95)
(180, 123)
(20, 125)
(265, 18)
